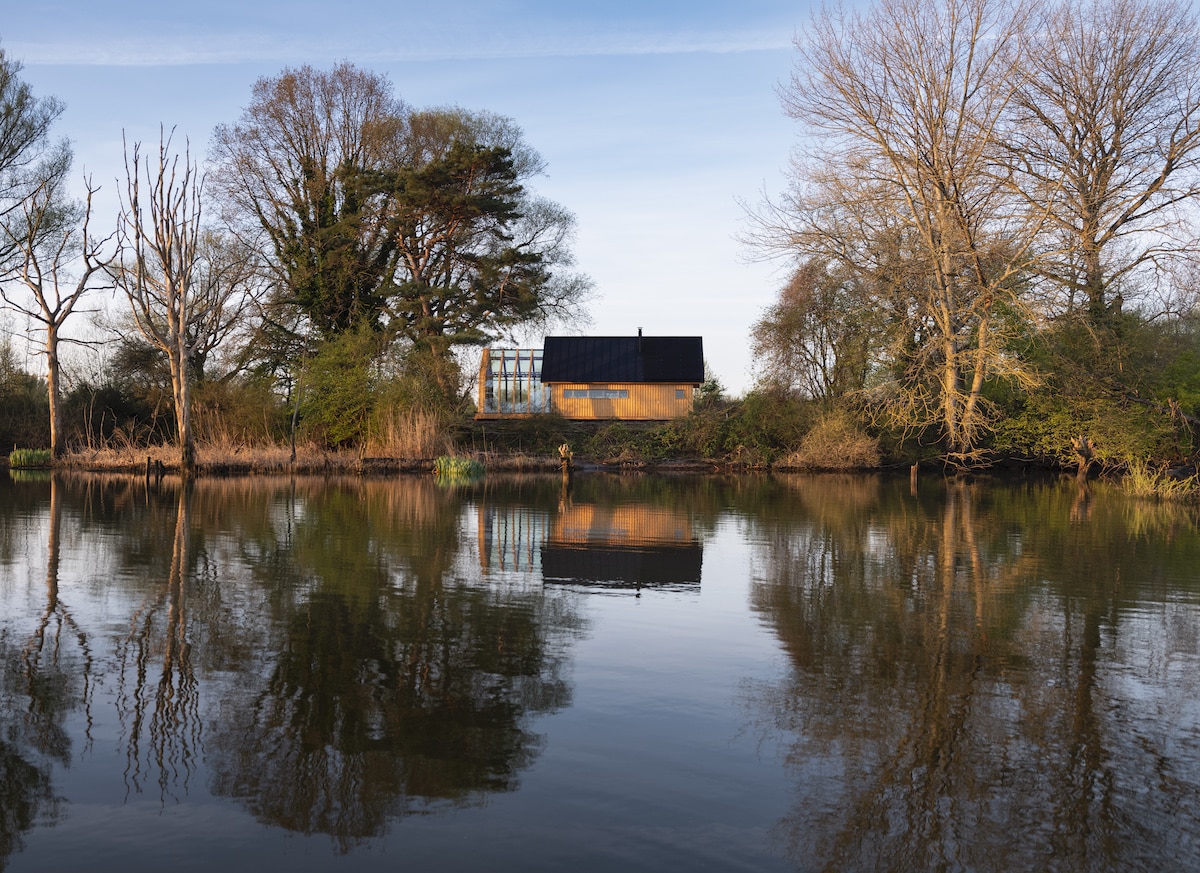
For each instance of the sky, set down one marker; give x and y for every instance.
(658, 120)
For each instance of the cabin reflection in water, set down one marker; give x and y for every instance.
(621, 546)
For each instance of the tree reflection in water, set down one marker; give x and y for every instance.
(40, 683)
(386, 680)
(955, 701)
(158, 691)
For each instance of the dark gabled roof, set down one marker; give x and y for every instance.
(623, 567)
(677, 359)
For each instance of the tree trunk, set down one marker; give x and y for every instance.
(52, 393)
(183, 418)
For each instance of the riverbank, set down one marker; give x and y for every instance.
(158, 460)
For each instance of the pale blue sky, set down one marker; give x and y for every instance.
(654, 118)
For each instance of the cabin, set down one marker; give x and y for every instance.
(624, 546)
(589, 378)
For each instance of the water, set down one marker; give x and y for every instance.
(794, 673)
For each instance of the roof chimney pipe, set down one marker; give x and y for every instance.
(639, 331)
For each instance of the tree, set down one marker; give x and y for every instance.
(25, 122)
(57, 258)
(307, 168)
(908, 190)
(1107, 139)
(159, 235)
(478, 253)
(414, 222)
(818, 337)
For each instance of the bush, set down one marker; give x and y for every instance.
(95, 415)
(339, 388)
(836, 442)
(241, 412)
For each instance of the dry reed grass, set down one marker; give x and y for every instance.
(836, 442)
(1148, 483)
(411, 433)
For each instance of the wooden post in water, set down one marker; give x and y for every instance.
(1084, 448)
(912, 479)
(567, 461)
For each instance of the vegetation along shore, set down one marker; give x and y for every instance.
(991, 258)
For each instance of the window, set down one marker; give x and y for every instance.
(513, 384)
(595, 393)
(680, 393)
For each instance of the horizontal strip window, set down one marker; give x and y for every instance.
(595, 393)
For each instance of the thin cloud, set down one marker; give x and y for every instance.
(222, 49)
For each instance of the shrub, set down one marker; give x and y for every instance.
(836, 442)
(340, 388)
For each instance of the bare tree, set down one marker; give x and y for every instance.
(906, 185)
(58, 259)
(25, 122)
(226, 289)
(159, 237)
(1108, 138)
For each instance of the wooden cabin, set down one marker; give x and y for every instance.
(634, 378)
(624, 546)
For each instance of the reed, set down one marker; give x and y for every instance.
(1143, 481)
(457, 467)
(408, 433)
(29, 458)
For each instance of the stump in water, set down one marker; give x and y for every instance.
(1084, 448)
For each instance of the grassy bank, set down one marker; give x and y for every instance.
(758, 433)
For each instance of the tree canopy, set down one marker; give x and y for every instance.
(414, 222)
(977, 170)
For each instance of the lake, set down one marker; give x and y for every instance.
(634, 673)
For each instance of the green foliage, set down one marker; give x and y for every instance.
(426, 377)
(768, 423)
(754, 431)
(240, 411)
(1121, 432)
(457, 467)
(1104, 381)
(340, 388)
(24, 407)
(29, 458)
(536, 435)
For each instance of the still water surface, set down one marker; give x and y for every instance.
(809, 673)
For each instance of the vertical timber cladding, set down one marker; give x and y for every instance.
(639, 377)
(626, 401)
